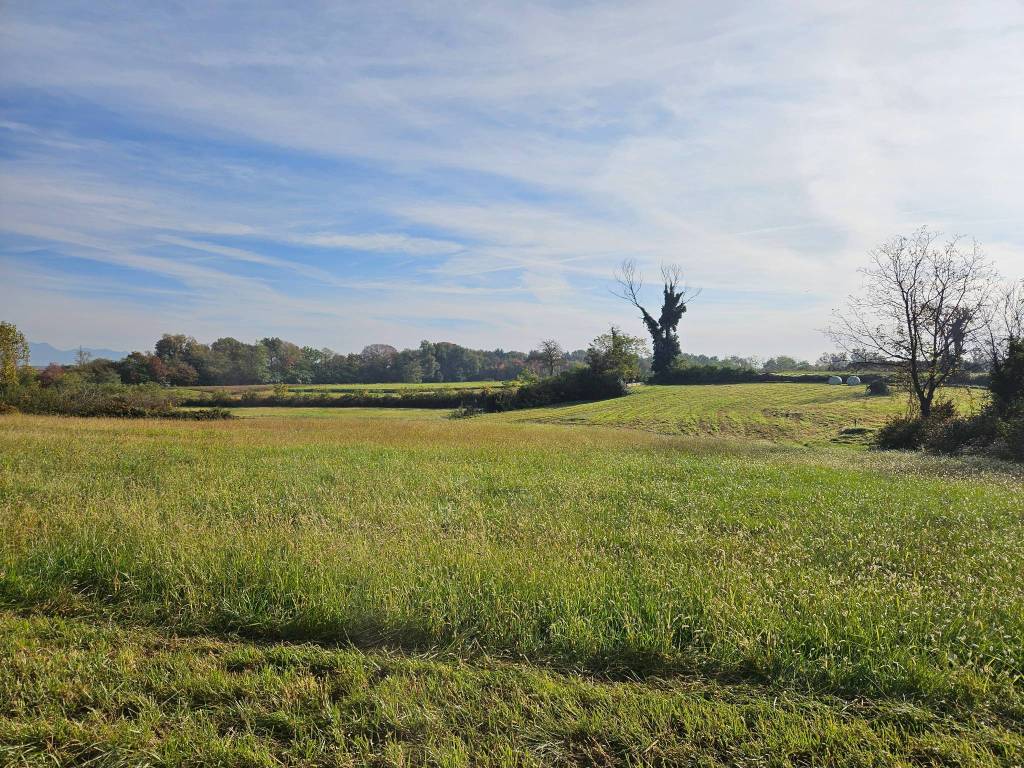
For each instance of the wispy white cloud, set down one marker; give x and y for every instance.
(487, 166)
(388, 243)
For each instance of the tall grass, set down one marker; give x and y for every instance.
(615, 552)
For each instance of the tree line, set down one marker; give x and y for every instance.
(928, 313)
(181, 360)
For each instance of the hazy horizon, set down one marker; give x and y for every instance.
(474, 173)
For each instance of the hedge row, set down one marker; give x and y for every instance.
(104, 400)
(432, 399)
(571, 386)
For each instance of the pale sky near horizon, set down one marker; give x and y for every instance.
(339, 174)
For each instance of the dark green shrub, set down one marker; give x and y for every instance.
(143, 401)
(466, 412)
(84, 399)
(953, 435)
(1010, 444)
(1006, 381)
(572, 386)
(201, 414)
(879, 387)
(618, 353)
(900, 433)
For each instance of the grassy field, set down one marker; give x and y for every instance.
(375, 388)
(353, 590)
(376, 414)
(782, 412)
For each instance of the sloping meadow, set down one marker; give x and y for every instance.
(788, 412)
(611, 552)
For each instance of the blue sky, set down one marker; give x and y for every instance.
(346, 173)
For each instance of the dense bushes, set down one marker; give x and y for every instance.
(900, 433)
(110, 400)
(72, 394)
(998, 430)
(91, 400)
(199, 414)
(440, 398)
(955, 434)
(947, 432)
(571, 386)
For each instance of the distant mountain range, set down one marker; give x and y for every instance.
(41, 354)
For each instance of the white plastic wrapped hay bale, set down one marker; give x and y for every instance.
(853, 381)
(835, 380)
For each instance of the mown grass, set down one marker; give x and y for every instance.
(591, 596)
(87, 692)
(781, 412)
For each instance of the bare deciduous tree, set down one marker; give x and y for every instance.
(551, 354)
(1003, 321)
(675, 296)
(922, 306)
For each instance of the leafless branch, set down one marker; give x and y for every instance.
(921, 307)
(630, 283)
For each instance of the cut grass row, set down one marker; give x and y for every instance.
(781, 412)
(86, 692)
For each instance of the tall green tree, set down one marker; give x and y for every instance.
(616, 352)
(238, 362)
(283, 358)
(14, 353)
